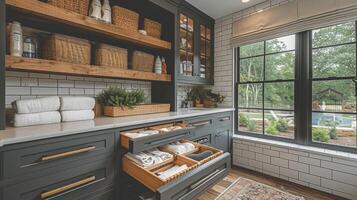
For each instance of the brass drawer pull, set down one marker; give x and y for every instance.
(47, 194)
(201, 123)
(67, 154)
(224, 119)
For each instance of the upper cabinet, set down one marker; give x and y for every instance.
(195, 46)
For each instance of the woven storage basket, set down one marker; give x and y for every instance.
(67, 49)
(152, 28)
(143, 61)
(110, 56)
(78, 6)
(125, 19)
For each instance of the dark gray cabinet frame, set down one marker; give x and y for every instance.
(2, 64)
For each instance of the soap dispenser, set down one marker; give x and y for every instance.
(107, 12)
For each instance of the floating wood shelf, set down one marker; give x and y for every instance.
(53, 13)
(50, 66)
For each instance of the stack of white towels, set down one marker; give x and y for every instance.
(77, 108)
(50, 110)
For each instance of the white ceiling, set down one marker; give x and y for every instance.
(220, 8)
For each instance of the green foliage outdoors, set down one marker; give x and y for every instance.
(243, 120)
(337, 61)
(271, 129)
(252, 125)
(119, 97)
(276, 126)
(320, 134)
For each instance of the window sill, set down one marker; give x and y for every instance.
(303, 148)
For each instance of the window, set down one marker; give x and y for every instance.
(302, 93)
(333, 99)
(266, 88)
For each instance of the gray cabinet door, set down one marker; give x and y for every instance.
(222, 139)
(70, 184)
(56, 154)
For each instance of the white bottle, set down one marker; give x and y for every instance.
(107, 12)
(158, 65)
(16, 39)
(95, 10)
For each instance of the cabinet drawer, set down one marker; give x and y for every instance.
(207, 139)
(186, 184)
(69, 184)
(224, 119)
(202, 125)
(58, 153)
(138, 144)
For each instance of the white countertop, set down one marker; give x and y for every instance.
(25, 134)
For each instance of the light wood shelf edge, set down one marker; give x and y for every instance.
(50, 12)
(50, 66)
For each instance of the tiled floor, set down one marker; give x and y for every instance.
(308, 193)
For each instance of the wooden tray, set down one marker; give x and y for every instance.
(149, 178)
(136, 110)
(200, 148)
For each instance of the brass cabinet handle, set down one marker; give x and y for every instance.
(67, 154)
(47, 194)
(224, 119)
(201, 123)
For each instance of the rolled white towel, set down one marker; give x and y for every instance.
(77, 115)
(45, 104)
(77, 103)
(37, 118)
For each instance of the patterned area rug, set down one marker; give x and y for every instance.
(246, 189)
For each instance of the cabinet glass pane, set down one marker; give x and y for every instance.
(183, 21)
(186, 45)
(208, 34)
(203, 31)
(190, 26)
(208, 48)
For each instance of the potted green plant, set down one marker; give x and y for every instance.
(118, 102)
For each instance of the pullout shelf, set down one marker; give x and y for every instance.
(50, 66)
(44, 10)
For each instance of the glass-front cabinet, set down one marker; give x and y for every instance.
(195, 48)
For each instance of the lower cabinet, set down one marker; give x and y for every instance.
(68, 184)
(222, 139)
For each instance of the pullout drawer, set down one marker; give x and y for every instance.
(202, 125)
(139, 144)
(69, 184)
(184, 185)
(58, 153)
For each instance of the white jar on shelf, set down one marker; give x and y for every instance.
(95, 10)
(16, 39)
(107, 12)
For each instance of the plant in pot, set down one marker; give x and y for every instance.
(201, 95)
(118, 102)
(196, 95)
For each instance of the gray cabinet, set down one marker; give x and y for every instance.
(222, 139)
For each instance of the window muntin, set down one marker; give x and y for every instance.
(333, 92)
(266, 88)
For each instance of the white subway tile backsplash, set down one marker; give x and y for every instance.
(47, 83)
(339, 167)
(310, 161)
(338, 186)
(289, 173)
(289, 156)
(65, 83)
(13, 81)
(309, 178)
(43, 91)
(83, 84)
(299, 166)
(12, 91)
(33, 82)
(322, 172)
(262, 158)
(280, 162)
(344, 177)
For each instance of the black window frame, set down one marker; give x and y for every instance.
(237, 83)
(303, 95)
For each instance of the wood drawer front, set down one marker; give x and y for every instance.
(224, 119)
(58, 154)
(136, 145)
(69, 184)
(192, 184)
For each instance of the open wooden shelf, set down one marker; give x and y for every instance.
(50, 66)
(41, 9)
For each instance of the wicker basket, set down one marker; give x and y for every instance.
(143, 61)
(78, 6)
(136, 110)
(152, 28)
(125, 19)
(110, 56)
(67, 49)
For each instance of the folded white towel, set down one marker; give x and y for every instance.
(77, 115)
(172, 171)
(37, 118)
(77, 103)
(36, 105)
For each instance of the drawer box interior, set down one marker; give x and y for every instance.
(148, 175)
(166, 132)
